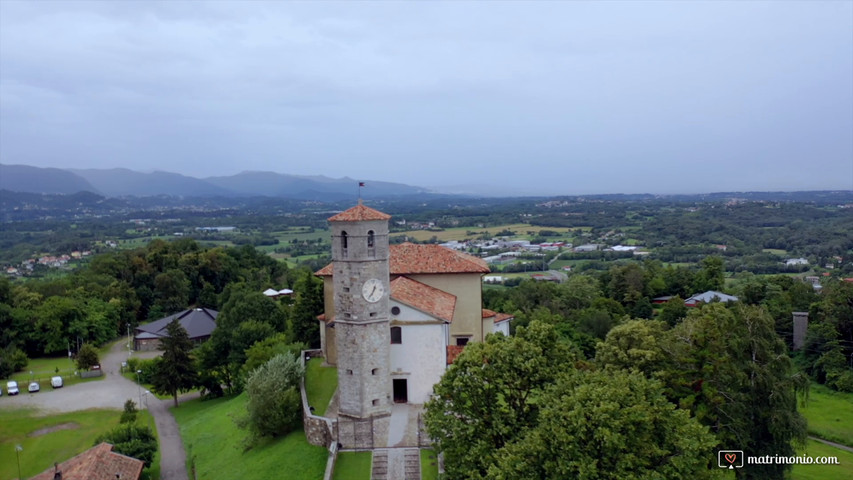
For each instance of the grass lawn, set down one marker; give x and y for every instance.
(215, 443)
(830, 414)
(821, 472)
(429, 465)
(353, 466)
(43, 369)
(320, 384)
(42, 449)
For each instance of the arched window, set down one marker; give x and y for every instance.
(370, 239)
(344, 243)
(396, 335)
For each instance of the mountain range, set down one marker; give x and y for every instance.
(121, 182)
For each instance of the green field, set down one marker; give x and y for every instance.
(824, 472)
(42, 369)
(830, 414)
(353, 466)
(46, 439)
(218, 448)
(320, 384)
(461, 233)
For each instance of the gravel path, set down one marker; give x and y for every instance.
(112, 392)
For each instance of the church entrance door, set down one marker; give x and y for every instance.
(401, 390)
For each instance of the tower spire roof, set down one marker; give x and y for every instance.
(359, 213)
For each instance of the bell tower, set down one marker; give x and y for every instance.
(361, 291)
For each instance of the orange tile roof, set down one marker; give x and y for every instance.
(499, 317)
(359, 213)
(96, 463)
(409, 258)
(427, 299)
(453, 351)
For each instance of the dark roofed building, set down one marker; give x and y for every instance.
(96, 463)
(198, 322)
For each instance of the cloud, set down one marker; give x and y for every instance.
(553, 96)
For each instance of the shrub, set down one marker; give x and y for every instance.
(129, 413)
(274, 406)
(87, 357)
(132, 440)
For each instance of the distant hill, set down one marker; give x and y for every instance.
(121, 182)
(24, 178)
(273, 184)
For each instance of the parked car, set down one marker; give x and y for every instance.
(56, 382)
(12, 387)
(34, 387)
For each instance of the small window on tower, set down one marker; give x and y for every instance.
(375, 402)
(396, 335)
(344, 243)
(370, 239)
(395, 310)
(349, 372)
(374, 371)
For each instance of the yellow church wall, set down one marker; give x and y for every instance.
(468, 289)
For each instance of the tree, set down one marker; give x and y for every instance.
(129, 413)
(488, 397)
(132, 440)
(172, 290)
(608, 425)
(307, 305)
(635, 344)
(733, 371)
(176, 371)
(711, 276)
(673, 311)
(275, 405)
(87, 357)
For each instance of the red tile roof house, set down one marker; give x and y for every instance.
(436, 308)
(96, 463)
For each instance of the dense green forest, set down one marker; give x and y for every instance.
(117, 291)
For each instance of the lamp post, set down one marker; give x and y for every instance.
(138, 387)
(18, 449)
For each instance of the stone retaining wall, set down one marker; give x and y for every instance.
(320, 431)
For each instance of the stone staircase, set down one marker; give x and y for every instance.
(396, 464)
(380, 465)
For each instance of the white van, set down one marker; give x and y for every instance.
(12, 387)
(56, 382)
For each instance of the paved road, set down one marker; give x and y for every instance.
(112, 392)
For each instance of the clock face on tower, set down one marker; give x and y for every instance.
(372, 290)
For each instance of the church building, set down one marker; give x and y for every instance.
(396, 315)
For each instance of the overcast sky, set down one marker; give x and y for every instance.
(522, 97)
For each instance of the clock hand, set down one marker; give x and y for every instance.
(373, 291)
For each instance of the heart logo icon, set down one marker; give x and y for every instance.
(731, 457)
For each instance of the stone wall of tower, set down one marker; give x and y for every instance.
(362, 331)
(364, 384)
